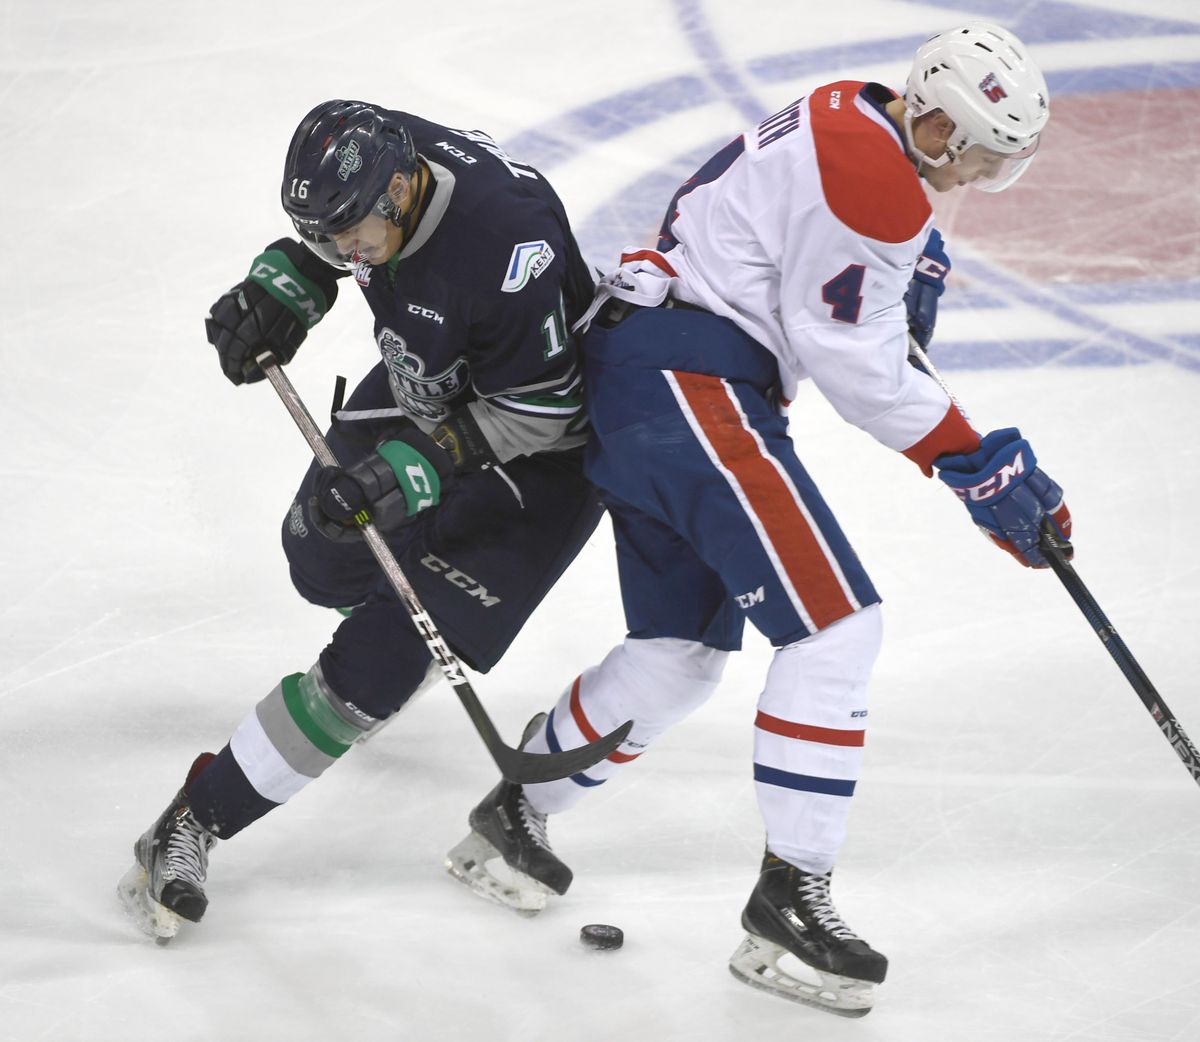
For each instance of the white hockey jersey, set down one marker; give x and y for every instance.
(805, 231)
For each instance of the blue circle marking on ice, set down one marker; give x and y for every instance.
(636, 209)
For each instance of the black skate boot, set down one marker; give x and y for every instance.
(166, 883)
(790, 912)
(507, 856)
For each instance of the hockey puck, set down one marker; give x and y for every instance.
(602, 937)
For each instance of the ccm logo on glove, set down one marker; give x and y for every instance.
(419, 483)
(932, 268)
(995, 484)
(927, 284)
(406, 474)
(1008, 496)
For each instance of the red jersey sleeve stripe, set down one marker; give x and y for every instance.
(807, 733)
(952, 435)
(790, 539)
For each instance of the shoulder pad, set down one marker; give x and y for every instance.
(869, 183)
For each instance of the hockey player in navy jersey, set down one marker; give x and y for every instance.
(791, 254)
(464, 443)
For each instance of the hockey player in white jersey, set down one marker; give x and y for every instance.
(791, 254)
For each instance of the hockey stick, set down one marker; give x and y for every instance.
(1053, 549)
(515, 765)
(1121, 655)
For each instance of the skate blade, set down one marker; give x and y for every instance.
(148, 915)
(468, 863)
(756, 962)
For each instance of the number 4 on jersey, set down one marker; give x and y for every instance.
(843, 293)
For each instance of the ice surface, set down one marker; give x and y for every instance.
(1024, 845)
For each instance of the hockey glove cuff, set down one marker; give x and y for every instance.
(405, 475)
(926, 286)
(287, 291)
(1007, 495)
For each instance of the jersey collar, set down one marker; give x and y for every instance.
(439, 203)
(875, 97)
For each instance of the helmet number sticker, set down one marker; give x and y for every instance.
(300, 188)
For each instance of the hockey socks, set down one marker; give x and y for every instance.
(223, 799)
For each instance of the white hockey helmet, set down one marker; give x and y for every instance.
(981, 76)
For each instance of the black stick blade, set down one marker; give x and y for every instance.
(528, 768)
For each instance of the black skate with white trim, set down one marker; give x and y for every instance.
(165, 886)
(507, 856)
(790, 919)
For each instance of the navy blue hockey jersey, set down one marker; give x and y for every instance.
(476, 309)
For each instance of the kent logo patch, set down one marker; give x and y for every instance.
(528, 261)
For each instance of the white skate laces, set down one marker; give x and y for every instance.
(534, 821)
(813, 890)
(186, 855)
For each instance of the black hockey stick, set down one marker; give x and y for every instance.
(515, 765)
(1053, 549)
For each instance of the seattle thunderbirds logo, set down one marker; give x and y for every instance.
(428, 397)
(349, 159)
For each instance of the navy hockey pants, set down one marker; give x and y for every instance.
(716, 520)
(480, 563)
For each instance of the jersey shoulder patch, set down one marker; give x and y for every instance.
(528, 261)
(869, 183)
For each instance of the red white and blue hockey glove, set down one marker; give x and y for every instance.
(406, 474)
(926, 286)
(1007, 495)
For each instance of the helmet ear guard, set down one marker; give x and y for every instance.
(980, 75)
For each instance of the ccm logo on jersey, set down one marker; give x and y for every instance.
(528, 261)
(429, 313)
(996, 484)
(457, 153)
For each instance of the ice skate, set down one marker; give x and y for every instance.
(507, 856)
(165, 885)
(798, 946)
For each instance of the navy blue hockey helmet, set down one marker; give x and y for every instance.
(339, 165)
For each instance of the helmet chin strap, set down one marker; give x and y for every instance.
(916, 153)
